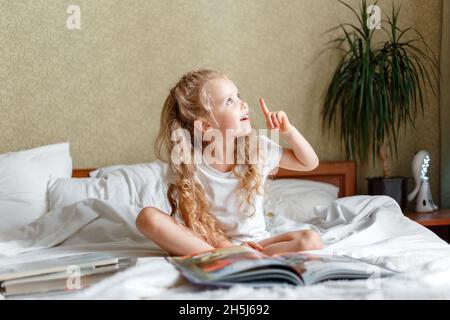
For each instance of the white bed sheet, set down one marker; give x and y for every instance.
(371, 228)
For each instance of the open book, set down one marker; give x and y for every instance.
(58, 264)
(59, 281)
(243, 265)
(67, 272)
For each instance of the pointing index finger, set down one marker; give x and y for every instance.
(263, 106)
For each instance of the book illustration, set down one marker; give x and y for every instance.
(225, 262)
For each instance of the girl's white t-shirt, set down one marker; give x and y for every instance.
(221, 192)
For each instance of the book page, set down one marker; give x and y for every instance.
(223, 262)
(315, 267)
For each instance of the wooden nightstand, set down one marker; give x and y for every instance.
(437, 221)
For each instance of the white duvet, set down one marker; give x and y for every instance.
(371, 228)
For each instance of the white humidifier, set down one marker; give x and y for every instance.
(422, 190)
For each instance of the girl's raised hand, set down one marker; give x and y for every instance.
(275, 120)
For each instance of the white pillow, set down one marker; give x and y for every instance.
(100, 172)
(296, 198)
(139, 185)
(23, 182)
(157, 166)
(66, 191)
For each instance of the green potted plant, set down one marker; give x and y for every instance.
(376, 88)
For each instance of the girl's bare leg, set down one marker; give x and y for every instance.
(167, 233)
(292, 242)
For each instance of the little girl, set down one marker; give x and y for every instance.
(219, 203)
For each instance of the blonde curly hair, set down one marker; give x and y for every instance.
(187, 102)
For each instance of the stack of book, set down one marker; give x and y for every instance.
(64, 273)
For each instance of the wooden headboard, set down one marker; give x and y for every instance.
(342, 174)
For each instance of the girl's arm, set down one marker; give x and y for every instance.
(225, 243)
(176, 239)
(301, 156)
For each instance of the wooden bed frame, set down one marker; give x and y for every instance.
(342, 174)
(339, 173)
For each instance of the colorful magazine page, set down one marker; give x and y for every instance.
(221, 263)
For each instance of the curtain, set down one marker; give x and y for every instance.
(445, 105)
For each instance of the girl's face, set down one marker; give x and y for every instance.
(229, 111)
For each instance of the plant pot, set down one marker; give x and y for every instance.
(394, 187)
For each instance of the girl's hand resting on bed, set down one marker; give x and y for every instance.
(275, 120)
(254, 245)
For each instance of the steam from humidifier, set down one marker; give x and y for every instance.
(422, 190)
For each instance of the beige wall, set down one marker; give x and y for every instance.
(102, 87)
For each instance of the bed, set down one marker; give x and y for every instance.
(370, 228)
